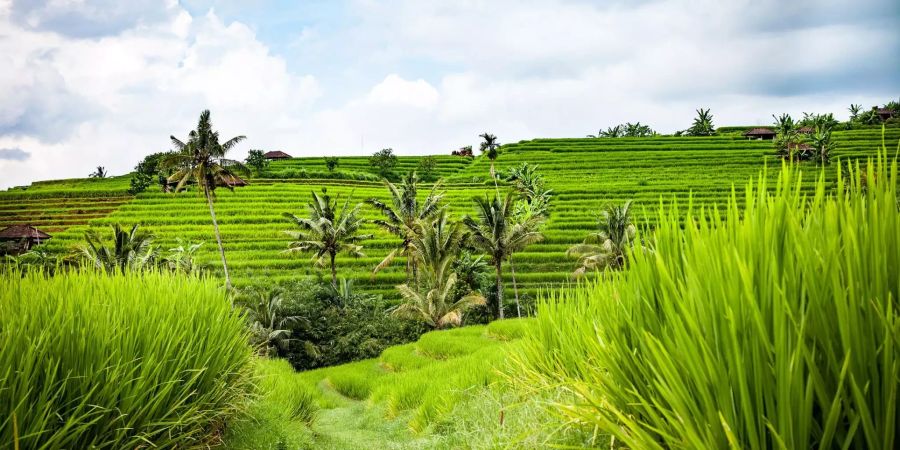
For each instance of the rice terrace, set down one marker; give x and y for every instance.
(231, 239)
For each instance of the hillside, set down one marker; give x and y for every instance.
(584, 173)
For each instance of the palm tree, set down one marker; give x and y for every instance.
(531, 212)
(99, 173)
(435, 306)
(436, 249)
(703, 125)
(607, 247)
(328, 232)
(490, 146)
(822, 143)
(493, 232)
(201, 159)
(854, 109)
(268, 320)
(402, 215)
(132, 250)
(788, 139)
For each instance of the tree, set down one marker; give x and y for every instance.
(201, 159)
(427, 166)
(331, 163)
(703, 124)
(268, 320)
(328, 232)
(99, 173)
(637, 129)
(384, 160)
(787, 140)
(131, 250)
(490, 147)
(854, 111)
(256, 160)
(402, 216)
(607, 247)
(436, 249)
(822, 143)
(492, 232)
(146, 171)
(532, 210)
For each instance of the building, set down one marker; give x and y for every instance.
(18, 239)
(884, 113)
(278, 154)
(806, 130)
(760, 134)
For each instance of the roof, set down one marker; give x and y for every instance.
(884, 111)
(805, 130)
(759, 132)
(22, 232)
(277, 154)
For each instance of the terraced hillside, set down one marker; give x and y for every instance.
(585, 174)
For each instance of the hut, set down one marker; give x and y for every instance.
(277, 154)
(884, 113)
(806, 130)
(760, 134)
(18, 239)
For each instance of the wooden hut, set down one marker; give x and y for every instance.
(806, 130)
(760, 134)
(18, 239)
(884, 113)
(277, 154)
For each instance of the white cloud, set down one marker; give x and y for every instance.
(421, 76)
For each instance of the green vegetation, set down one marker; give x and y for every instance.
(89, 360)
(772, 324)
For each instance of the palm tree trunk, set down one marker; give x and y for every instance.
(494, 176)
(333, 272)
(212, 212)
(512, 269)
(499, 269)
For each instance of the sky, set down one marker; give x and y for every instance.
(89, 83)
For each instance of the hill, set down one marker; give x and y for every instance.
(584, 173)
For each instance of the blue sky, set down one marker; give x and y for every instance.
(105, 82)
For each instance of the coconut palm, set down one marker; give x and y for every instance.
(328, 232)
(608, 246)
(132, 250)
(201, 159)
(493, 232)
(530, 212)
(703, 125)
(435, 306)
(403, 213)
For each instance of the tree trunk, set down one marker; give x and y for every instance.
(512, 269)
(333, 272)
(494, 176)
(499, 268)
(212, 212)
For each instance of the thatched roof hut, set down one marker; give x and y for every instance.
(20, 238)
(277, 154)
(760, 133)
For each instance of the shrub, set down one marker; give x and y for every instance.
(89, 360)
(774, 326)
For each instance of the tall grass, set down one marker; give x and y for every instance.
(89, 360)
(773, 324)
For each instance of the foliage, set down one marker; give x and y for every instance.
(609, 247)
(201, 159)
(181, 258)
(99, 173)
(328, 231)
(257, 161)
(490, 147)
(426, 168)
(384, 160)
(331, 163)
(403, 215)
(627, 129)
(492, 231)
(771, 325)
(131, 250)
(137, 360)
(266, 319)
(703, 124)
(821, 143)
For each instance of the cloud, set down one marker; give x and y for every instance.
(88, 19)
(14, 154)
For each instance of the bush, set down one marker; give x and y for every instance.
(126, 361)
(775, 326)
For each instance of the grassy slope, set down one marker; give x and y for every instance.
(584, 173)
(420, 395)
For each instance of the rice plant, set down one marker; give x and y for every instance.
(770, 324)
(133, 360)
